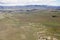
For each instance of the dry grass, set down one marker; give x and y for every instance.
(22, 26)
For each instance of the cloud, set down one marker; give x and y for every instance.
(27, 2)
(9, 1)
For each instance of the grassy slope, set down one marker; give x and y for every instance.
(26, 25)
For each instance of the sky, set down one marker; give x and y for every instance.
(29, 2)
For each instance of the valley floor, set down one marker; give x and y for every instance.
(38, 25)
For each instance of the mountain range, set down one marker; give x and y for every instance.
(29, 7)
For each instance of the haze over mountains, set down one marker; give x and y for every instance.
(28, 7)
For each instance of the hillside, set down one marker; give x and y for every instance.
(30, 25)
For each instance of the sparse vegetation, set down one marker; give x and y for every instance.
(36, 25)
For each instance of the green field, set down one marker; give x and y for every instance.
(36, 25)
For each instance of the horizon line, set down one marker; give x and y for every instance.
(28, 5)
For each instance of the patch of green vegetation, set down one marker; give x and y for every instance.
(52, 24)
